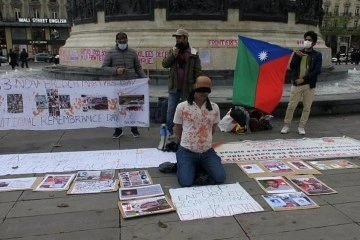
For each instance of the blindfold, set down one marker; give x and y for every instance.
(203, 90)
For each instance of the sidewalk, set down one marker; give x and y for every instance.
(27, 215)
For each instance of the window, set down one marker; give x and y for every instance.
(355, 23)
(36, 13)
(17, 13)
(336, 10)
(326, 9)
(54, 13)
(357, 11)
(18, 33)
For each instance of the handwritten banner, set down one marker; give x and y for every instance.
(33, 104)
(85, 160)
(213, 201)
(309, 148)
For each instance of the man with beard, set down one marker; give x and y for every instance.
(185, 67)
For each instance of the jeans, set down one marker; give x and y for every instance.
(307, 95)
(187, 161)
(173, 101)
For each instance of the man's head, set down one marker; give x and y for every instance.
(310, 38)
(272, 183)
(182, 38)
(121, 41)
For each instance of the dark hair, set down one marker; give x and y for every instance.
(121, 35)
(313, 36)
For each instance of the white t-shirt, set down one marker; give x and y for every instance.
(197, 124)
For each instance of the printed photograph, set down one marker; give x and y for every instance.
(140, 192)
(64, 101)
(311, 185)
(15, 103)
(99, 175)
(132, 102)
(14, 184)
(147, 206)
(135, 178)
(41, 102)
(300, 165)
(94, 103)
(251, 168)
(333, 164)
(277, 166)
(85, 187)
(289, 201)
(274, 185)
(57, 182)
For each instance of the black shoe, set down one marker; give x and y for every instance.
(117, 134)
(135, 132)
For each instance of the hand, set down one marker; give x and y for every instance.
(120, 71)
(299, 53)
(176, 52)
(299, 81)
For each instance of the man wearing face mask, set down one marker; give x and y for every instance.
(185, 67)
(195, 123)
(305, 66)
(123, 62)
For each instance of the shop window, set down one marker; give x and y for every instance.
(38, 34)
(18, 33)
(36, 13)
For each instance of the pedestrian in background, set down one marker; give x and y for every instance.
(13, 59)
(24, 58)
(123, 62)
(185, 67)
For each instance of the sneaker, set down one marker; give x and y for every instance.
(301, 131)
(135, 133)
(117, 134)
(285, 130)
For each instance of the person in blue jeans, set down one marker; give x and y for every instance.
(195, 123)
(184, 64)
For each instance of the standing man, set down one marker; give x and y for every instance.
(24, 58)
(185, 67)
(195, 123)
(305, 66)
(123, 62)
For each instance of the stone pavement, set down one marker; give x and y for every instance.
(27, 215)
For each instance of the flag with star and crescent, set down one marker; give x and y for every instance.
(259, 74)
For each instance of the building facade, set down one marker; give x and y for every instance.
(34, 25)
(341, 25)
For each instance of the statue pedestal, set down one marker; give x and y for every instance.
(216, 41)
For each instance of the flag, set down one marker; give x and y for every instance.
(259, 74)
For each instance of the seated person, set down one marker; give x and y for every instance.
(195, 123)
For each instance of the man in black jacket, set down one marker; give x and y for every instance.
(305, 66)
(24, 58)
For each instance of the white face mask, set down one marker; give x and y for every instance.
(122, 46)
(307, 44)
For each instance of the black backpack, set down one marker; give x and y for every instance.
(159, 115)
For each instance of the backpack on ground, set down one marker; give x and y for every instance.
(159, 115)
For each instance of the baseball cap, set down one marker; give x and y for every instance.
(181, 32)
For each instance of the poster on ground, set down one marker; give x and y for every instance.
(333, 164)
(140, 192)
(94, 186)
(146, 206)
(274, 185)
(135, 178)
(15, 184)
(212, 201)
(289, 201)
(311, 185)
(55, 182)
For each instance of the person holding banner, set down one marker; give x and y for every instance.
(305, 66)
(123, 62)
(195, 123)
(185, 67)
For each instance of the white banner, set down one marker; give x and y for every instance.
(280, 149)
(84, 160)
(33, 104)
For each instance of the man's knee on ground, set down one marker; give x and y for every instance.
(185, 182)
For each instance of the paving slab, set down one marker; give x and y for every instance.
(77, 203)
(59, 223)
(345, 195)
(5, 209)
(284, 221)
(207, 229)
(351, 210)
(337, 232)
(98, 234)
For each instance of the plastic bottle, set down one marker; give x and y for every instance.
(163, 136)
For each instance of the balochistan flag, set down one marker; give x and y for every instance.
(259, 74)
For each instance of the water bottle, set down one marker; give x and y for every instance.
(163, 134)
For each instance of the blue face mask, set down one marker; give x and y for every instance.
(122, 46)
